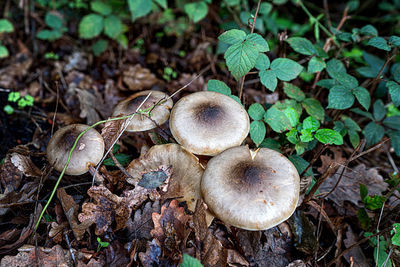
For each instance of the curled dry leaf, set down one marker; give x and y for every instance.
(10, 176)
(327, 160)
(56, 231)
(184, 167)
(142, 223)
(170, 230)
(110, 132)
(25, 165)
(349, 186)
(138, 78)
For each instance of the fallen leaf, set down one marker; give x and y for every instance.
(76, 61)
(25, 165)
(142, 223)
(152, 256)
(327, 159)
(138, 78)
(357, 255)
(19, 67)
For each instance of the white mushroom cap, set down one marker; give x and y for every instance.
(159, 113)
(88, 151)
(206, 123)
(251, 190)
(184, 167)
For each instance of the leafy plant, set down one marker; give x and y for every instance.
(189, 261)
(101, 244)
(169, 74)
(22, 102)
(5, 27)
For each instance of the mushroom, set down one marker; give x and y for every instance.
(88, 151)
(182, 167)
(140, 122)
(253, 190)
(206, 123)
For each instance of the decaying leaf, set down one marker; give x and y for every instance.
(25, 165)
(111, 131)
(56, 231)
(303, 232)
(326, 159)
(349, 186)
(138, 78)
(358, 257)
(17, 69)
(142, 223)
(152, 256)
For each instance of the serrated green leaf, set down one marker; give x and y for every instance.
(363, 113)
(3, 51)
(369, 30)
(54, 20)
(237, 99)
(257, 131)
(351, 124)
(306, 136)
(301, 45)
(286, 69)
(258, 42)
(293, 91)
(99, 47)
(340, 97)
(49, 35)
(271, 143)
(277, 120)
(392, 122)
(6, 26)
(335, 66)
(313, 107)
(327, 83)
(112, 26)
(219, 87)
(256, 111)
(262, 62)
(232, 36)
(311, 124)
(328, 136)
(346, 80)
(101, 7)
(189, 261)
(394, 40)
(288, 103)
(265, 8)
(396, 234)
(394, 91)
(292, 115)
(354, 138)
(364, 219)
(300, 148)
(379, 43)
(139, 8)
(316, 64)
(196, 11)
(339, 127)
(241, 58)
(379, 110)
(373, 133)
(91, 26)
(268, 79)
(362, 96)
(123, 159)
(292, 136)
(395, 70)
(301, 164)
(375, 65)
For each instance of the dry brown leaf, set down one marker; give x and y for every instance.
(138, 78)
(349, 186)
(152, 255)
(78, 61)
(10, 176)
(327, 160)
(235, 259)
(25, 165)
(356, 253)
(110, 132)
(142, 223)
(56, 231)
(18, 68)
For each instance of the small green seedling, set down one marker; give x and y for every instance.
(51, 55)
(22, 102)
(101, 244)
(169, 74)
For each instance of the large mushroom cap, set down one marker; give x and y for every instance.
(207, 123)
(159, 113)
(88, 151)
(251, 190)
(184, 168)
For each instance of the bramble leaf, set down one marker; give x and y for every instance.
(257, 131)
(91, 26)
(293, 91)
(313, 107)
(373, 133)
(286, 69)
(219, 87)
(362, 96)
(328, 136)
(301, 45)
(277, 120)
(340, 97)
(268, 79)
(256, 111)
(316, 64)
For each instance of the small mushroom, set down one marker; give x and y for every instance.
(140, 122)
(183, 168)
(88, 151)
(253, 190)
(206, 123)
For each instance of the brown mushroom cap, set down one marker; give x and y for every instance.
(159, 114)
(88, 151)
(184, 167)
(206, 123)
(251, 190)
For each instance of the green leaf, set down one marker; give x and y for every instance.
(257, 131)
(379, 43)
(396, 72)
(122, 158)
(101, 7)
(235, 98)
(277, 120)
(256, 111)
(232, 36)
(313, 107)
(327, 83)
(241, 58)
(354, 138)
(3, 51)
(189, 261)
(364, 219)
(292, 115)
(374, 202)
(153, 179)
(13, 96)
(311, 124)
(396, 234)
(375, 65)
(369, 30)
(395, 40)
(265, 8)
(258, 42)
(373, 133)
(286, 69)
(351, 124)
(91, 26)
(293, 91)
(54, 20)
(363, 191)
(112, 26)
(346, 80)
(162, 3)
(328, 136)
(316, 64)
(363, 113)
(379, 110)
(339, 127)
(362, 96)
(301, 45)
(122, 40)
(340, 97)
(394, 91)
(6, 26)
(271, 143)
(300, 148)
(392, 122)
(268, 79)
(334, 66)
(292, 136)
(219, 87)
(99, 47)
(262, 62)
(49, 35)
(139, 8)
(301, 164)
(306, 136)
(196, 11)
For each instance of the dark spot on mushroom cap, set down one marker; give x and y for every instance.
(250, 175)
(208, 113)
(132, 104)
